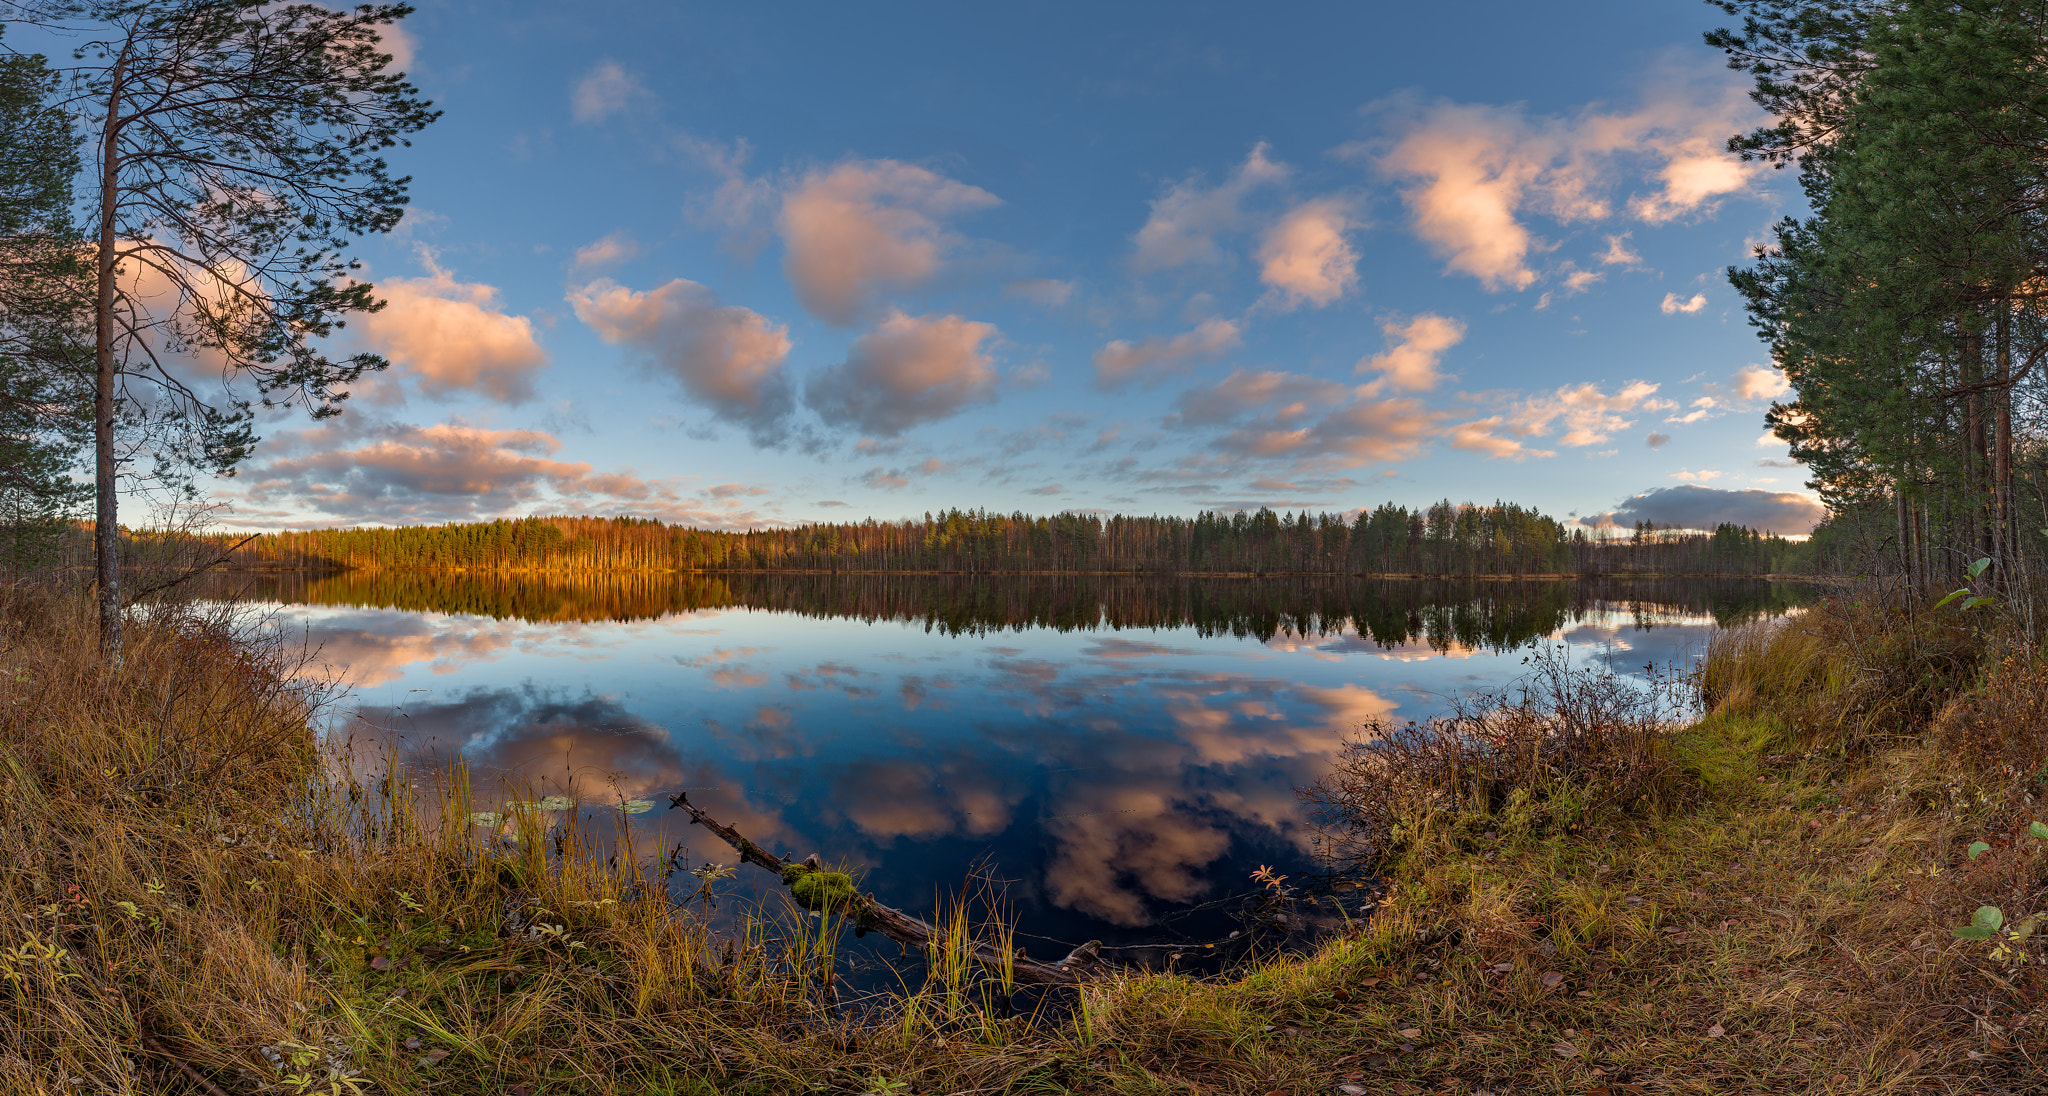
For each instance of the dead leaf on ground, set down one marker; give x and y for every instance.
(1716, 1032)
(1410, 1033)
(1353, 1090)
(382, 962)
(1552, 980)
(1565, 1050)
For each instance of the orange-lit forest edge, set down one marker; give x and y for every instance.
(1502, 539)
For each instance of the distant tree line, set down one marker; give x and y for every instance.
(1443, 539)
(1444, 614)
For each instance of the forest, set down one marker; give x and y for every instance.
(1492, 615)
(1442, 539)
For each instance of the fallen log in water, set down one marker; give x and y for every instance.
(820, 889)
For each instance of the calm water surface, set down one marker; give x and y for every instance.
(1122, 752)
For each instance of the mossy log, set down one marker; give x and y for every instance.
(819, 889)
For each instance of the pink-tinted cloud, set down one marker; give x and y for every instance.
(1151, 359)
(606, 253)
(1674, 304)
(1419, 346)
(909, 369)
(1470, 167)
(1186, 220)
(866, 226)
(1285, 395)
(452, 336)
(1585, 414)
(1470, 171)
(1757, 382)
(400, 472)
(604, 91)
(1484, 436)
(726, 357)
(1305, 257)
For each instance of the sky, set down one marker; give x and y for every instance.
(737, 265)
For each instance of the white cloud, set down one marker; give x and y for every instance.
(1305, 257)
(604, 90)
(1673, 304)
(1152, 358)
(1185, 221)
(1419, 347)
(725, 357)
(1695, 477)
(906, 371)
(867, 225)
(1656, 440)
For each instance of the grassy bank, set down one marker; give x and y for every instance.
(195, 899)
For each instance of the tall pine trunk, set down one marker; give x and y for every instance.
(106, 502)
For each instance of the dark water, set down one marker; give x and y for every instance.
(1122, 752)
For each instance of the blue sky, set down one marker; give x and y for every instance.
(747, 264)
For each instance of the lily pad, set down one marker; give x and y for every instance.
(637, 806)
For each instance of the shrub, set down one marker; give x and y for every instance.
(1866, 663)
(1562, 740)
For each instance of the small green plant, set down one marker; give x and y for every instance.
(1975, 598)
(1988, 920)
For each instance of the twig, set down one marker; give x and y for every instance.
(194, 572)
(1083, 964)
(184, 1067)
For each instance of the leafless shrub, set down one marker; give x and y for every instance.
(1545, 748)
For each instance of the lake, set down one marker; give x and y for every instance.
(1121, 752)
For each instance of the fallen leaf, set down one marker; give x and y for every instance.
(1585, 993)
(1403, 1088)
(519, 1090)
(1503, 967)
(382, 962)
(1716, 1032)
(413, 1043)
(1565, 1050)
(1353, 1090)
(1552, 980)
(1410, 1033)
(1673, 930)
(1369, 981)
